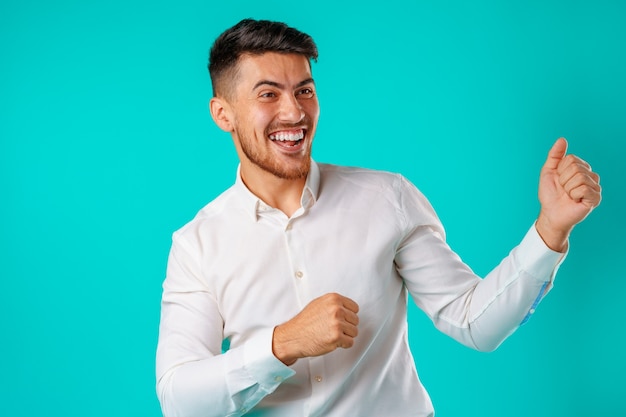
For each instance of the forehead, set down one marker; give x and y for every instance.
(286, 69)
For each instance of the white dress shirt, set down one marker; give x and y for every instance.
(240, 268)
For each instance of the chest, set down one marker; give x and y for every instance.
(265, 273)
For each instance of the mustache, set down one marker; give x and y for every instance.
(305, 123)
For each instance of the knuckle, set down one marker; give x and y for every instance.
(335, 311)
(335, 333)
(333, 297)
(569, 158)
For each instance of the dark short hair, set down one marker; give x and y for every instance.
(253, 37)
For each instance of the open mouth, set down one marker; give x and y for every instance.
(289, 139)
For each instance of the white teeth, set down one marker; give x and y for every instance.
(282, 136)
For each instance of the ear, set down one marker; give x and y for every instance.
(220, 112)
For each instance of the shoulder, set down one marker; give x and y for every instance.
(384, 183)
(378, 189)
(359, 177)
(215, 214)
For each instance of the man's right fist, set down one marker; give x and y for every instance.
(325, 324)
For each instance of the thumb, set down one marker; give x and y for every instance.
(556, 154)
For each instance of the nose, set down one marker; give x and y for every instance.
(291, 110)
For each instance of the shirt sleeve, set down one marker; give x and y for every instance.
(194, 377)
(480, 313)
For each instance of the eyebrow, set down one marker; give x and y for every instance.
(278, 85)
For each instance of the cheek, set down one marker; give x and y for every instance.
(259, 119)
(250, 117)
(312, 108)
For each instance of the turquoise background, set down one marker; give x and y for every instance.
(107, 147)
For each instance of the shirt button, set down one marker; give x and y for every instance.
(532, 311)
(278, 378)
(318, 378)
(288, 227)
(299, 274)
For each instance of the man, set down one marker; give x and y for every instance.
(305, 268)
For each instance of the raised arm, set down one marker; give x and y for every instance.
(481, 313)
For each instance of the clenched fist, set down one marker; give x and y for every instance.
(568, 191)
(325, 324)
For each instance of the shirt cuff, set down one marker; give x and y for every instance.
(536, 258)
(261, 363)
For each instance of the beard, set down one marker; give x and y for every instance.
(265, 160)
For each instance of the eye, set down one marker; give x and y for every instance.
(306, 92)
(267, 94)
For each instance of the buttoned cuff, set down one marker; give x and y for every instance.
(261, 363)
(537, 259)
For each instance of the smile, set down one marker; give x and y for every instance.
(289, 140)
(288, 136)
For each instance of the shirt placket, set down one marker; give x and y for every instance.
(303, 285)
(297, 264)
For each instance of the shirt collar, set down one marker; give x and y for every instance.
(254, 205)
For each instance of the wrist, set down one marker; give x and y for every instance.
(554, 237)
(280, 348)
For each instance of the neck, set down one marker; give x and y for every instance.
(279, 193)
